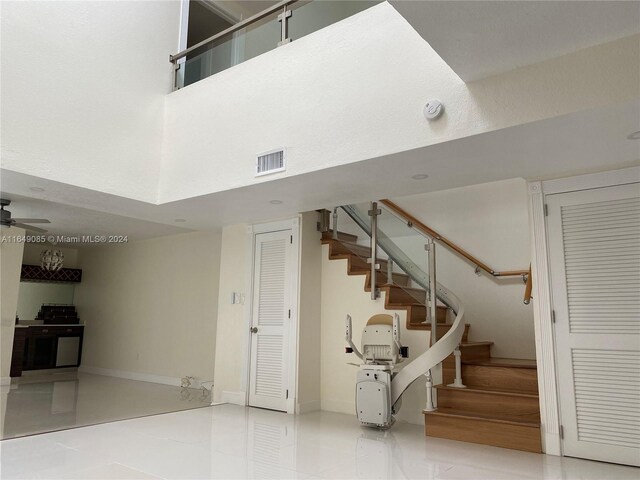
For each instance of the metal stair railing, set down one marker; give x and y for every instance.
(441, 348)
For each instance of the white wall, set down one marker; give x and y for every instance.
(491, 222)
(32, 295)
(150, 307)
(91, 80)
(309, 312)
(353, 94)
(231, 335)
(84, 84)
(10, 263)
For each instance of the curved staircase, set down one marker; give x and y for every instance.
(499, 405)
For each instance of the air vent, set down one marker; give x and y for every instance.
(270, 162)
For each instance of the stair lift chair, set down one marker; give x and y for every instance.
(381, 352)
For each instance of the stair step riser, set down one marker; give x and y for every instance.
(517, 437)
(442, 329)
(475, 352)
(400, 296)
(495, 405)
(358, 250)
(521, 379)
(418, 313)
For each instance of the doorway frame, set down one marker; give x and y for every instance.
(551, 422)
(292, 381)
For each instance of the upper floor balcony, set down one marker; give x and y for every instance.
(236, 40)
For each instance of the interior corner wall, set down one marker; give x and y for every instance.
(10, 263)
(490, 221)
(309, 315)
(231, 335)
(150, 307)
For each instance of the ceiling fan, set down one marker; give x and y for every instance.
(6, 219)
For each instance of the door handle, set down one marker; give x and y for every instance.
(253, 329)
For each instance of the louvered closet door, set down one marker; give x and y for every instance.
(594, 248)
(272, 291)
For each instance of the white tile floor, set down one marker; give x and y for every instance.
(55, 401)
(228, 441)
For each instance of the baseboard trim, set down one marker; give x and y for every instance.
(142, 377)
(5, 380)
(236, 398)
(338, 406)
(306, 407)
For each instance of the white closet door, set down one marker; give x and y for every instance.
(594, 248)
(272, 291)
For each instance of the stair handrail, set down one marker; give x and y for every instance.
(449, 342)
(417, 224)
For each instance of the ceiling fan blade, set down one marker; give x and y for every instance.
(31, 220)
(28, 227)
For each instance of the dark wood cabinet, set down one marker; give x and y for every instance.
(42, 347)
(18, 353)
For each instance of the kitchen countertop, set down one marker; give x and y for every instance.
(31, 323)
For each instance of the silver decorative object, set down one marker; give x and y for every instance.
(51, 260)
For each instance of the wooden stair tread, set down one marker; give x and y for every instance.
(502, 362)
(507, 419)
(491, 391)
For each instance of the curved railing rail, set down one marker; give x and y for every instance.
(434, 355)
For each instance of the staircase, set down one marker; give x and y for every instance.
(499, 405)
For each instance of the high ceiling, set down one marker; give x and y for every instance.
(476, 39)
(483, 38)
(582, 142)
(73, 221)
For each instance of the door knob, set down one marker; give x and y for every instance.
(254, 329)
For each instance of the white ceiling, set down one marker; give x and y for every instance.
(476, 39)
(74, 221)
(483, 38)
(578, 143)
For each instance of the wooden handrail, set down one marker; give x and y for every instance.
(436, 236)
(528, 288)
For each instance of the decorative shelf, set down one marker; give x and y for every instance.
(35, 273)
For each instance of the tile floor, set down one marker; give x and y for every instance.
(228, 441)
(55, 401)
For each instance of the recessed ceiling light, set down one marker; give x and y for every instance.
(634, 135)
(36, 189)
(275, 202)
(420, 176)
(179, 220)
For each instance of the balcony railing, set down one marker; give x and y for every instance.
(273, 27)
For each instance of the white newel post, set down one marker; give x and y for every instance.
(429, 406)
(458, 380)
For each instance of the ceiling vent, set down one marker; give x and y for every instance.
(270, 162)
